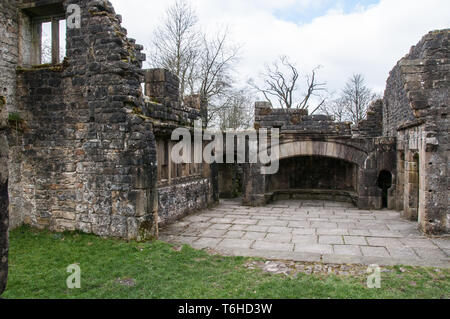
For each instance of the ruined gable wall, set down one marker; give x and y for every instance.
(418, 88)
(372, 126)
(85, 158)
(396, 108)
(89, 160)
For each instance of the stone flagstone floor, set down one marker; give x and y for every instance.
(310, 231)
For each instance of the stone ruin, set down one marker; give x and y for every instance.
(84, 147)
(397, 158)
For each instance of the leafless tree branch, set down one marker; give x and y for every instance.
(281, 83)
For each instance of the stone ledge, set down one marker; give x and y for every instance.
(335, 195)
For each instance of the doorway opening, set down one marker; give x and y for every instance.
(385, 183)
(417, 168)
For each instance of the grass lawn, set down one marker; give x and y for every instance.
(38, 262)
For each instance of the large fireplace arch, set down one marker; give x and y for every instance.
(357, 167)
(314, 177)
(331, 149)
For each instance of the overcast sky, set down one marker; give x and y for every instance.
(345, 37)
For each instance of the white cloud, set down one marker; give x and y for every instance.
(370, 40)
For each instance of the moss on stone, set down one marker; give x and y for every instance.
(137, 110)
(16, 122)
(47, 67)
(147, 231)
(2, 101)
(15, 117)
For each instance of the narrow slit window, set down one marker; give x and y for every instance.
(62, 39)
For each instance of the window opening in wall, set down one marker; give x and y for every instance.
(167, 169)
(43, 34)
(62, 39)
(46, 43)
(53, 41)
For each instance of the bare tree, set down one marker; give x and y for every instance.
(356, 98)
(203, 63)
(176, 42)
(235, 111)
(353, 101)
(215, 72)
(335, 108)
(281, 83)
(216, 66)
(46, 46)
(46, 53)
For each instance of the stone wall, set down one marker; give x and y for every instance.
(162, 86)
(303, 136)
(416, 106)
(164, 104)
(381, 157)
(33, 172)
(254, 185)
(298, 121)
(372, 126)
(9, 31)
(396, 108)
(268, 117)
(182, 198)
(81, 154)
(178, 195)
(86, 161)
(78, 140)
(9, 27)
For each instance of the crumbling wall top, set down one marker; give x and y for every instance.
(417, 87)
(298, 121)
(165, 104)
(372, 125)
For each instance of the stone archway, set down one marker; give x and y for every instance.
(333, 149)
(318, 169)
(314, 178)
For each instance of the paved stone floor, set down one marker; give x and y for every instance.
(310, 231)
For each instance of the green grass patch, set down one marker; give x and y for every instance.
(39, 259)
